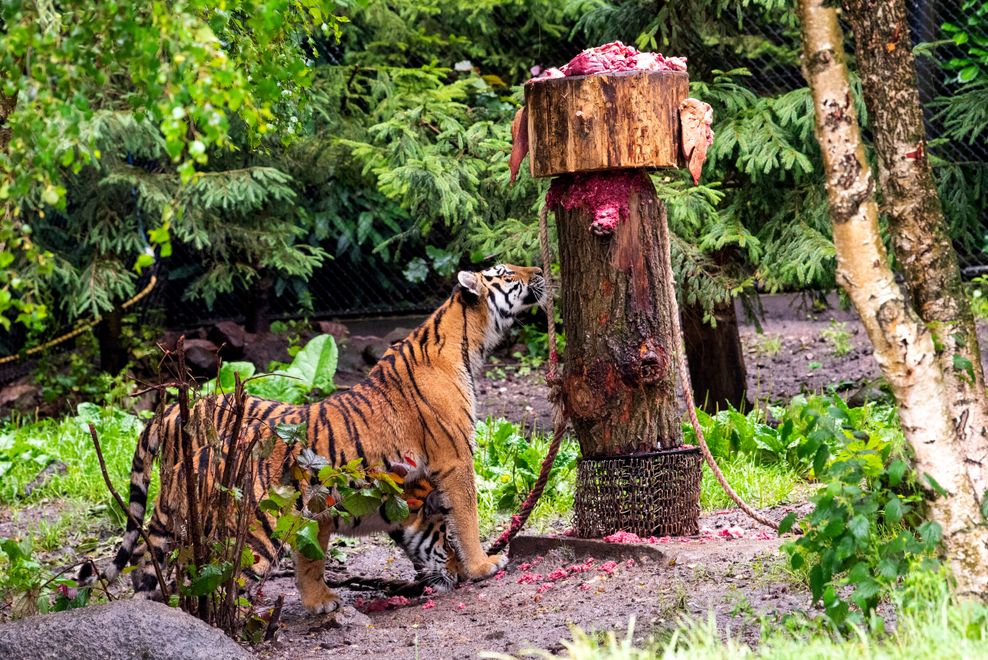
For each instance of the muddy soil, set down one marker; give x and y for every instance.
(738, 580)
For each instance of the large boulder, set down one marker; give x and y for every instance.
(122, 629)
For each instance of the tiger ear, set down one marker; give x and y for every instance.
(469, 282)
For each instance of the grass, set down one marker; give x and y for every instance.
(758, 484)
(934, 626)
(26, 449)
(839, 338)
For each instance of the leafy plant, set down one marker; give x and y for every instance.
(348, 491)
(971, 40)
(838, 337)
(310, 373)
(978, 294)
(866, 529)
(27, 588)
(507, 463)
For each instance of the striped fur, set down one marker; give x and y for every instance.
(416, 408)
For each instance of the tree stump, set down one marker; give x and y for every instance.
(598, 135)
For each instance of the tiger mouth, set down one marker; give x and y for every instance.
(536, 292)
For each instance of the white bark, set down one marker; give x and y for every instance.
(903, 344)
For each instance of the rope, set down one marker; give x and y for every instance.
(78, 330)
(680, 357)
(555, 395)
(559, 415)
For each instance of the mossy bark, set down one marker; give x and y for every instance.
(619, 379)
(922, 244)
(904, 346)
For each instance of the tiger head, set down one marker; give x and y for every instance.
(424, 538)
(503, 291)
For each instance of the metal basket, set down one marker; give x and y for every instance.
(653, 494)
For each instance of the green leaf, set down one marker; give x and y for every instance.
(315, 364)
(359, 504)
(209, 579)
(858, 526)
(307, 541)
(896, 471)
(961, 363)
(787, 523)
(820, 460)
(396, 509)
(935, 485)
(894, 510)
(967, 74)
(931, 534)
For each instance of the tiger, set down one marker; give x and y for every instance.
(416, 408)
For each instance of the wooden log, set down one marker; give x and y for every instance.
(625, 120)
(619, 378)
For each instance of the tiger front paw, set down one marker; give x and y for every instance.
(320, 601)
(485, 569)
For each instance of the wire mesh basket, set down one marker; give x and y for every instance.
(653, 494)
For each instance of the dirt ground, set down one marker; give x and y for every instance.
(737, 579)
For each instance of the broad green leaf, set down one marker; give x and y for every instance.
(315, 364)
(209, 579)
(396, 509)
(307, 541)
(359, 504)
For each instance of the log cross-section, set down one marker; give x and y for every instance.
(624, 120)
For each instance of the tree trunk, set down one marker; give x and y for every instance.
(919, 231)
(259, 303)
(619, 379)
(716, 362)
(109, 336)
(7, 104)
(903, 344)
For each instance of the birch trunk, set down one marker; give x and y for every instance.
(903, 344)
(919, 231)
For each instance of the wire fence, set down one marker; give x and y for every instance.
(366, 284)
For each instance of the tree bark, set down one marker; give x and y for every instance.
(7, 104)
(259, 303)
(903, 344)
(619, 379)
(624, 120)
(109, 337)
(715, 358)
(919, 231)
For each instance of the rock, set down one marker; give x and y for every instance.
(230, 336)
(201, 356)
(122, 629)
(371, 348)
(338, 330)
(53, 468)
(20, 396)
(397, 335)
(347, 617)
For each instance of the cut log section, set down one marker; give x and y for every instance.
(605, 122)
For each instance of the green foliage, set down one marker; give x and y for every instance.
(27, 449)
(197, 73)
(838, 337)
(347, 491)
(866, 530)
(27, 588)
(507, 462)
(310, 375)
(971, 39)
(978, 294)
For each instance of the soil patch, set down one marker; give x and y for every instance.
(737, 577)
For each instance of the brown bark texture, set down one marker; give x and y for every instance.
(625, 120)
(619, 379)
(903, 344)
(920, 238)
(715, 358)
(7, 104)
